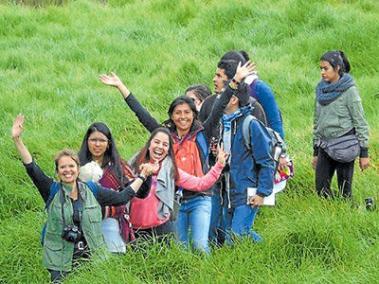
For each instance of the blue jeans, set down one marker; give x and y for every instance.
(239, 221)
(216, 229)
(195, 214)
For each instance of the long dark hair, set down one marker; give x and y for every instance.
(111, 155)
(144, 156)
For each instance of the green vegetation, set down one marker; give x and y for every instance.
(49, 65)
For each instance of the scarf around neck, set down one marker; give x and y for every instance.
(227, 120)
(328, 92)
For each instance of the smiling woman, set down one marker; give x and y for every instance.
(73, 227)
(153, 215)
(66, 166)
(182, 115)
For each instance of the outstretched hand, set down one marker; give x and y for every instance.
(17, 130)
(17, 127)
(111, 80)
(114, 81)
(245, 70)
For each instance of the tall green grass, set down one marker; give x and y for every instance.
(51, 56)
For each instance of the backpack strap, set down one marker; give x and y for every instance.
(54, 188)
(93, 187)
(246, 130)
(202, 142)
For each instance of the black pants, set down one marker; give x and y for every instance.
(57, 276)
(325, 169)
(161, 232)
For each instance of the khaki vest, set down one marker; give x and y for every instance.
(57, 252)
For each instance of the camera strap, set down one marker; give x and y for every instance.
(75, 205)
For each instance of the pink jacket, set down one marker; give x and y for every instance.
(197, 184)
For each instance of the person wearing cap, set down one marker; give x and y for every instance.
(245, 170)
(225, 71)
(261, 91)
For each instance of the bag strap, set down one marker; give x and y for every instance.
(93, 187)
(202, 142)
(246, 130)
(54, 188)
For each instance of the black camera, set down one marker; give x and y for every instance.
(71, 233)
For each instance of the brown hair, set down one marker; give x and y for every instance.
(66, 153)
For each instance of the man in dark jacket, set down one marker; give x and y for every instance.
(226, 70)
(249, 177)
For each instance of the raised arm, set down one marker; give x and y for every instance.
(40, 180)
(17, 130)
(149, 122)
(266, 98)
(193, 183)
(220, 104)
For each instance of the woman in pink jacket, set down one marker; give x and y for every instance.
(154, 215)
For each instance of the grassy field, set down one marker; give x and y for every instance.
(50, 60)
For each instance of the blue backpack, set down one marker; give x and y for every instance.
(278, 145)
(54, 188)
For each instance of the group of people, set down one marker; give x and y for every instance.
(203, 173)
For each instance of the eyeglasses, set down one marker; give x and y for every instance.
(100, 141)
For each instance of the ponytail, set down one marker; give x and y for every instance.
(346, 63)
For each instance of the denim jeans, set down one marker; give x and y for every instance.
(195, 216)
(112, 236)
(216, 229)
(238, 222)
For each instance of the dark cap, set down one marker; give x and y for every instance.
(243, 94)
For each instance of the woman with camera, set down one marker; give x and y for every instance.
(340, 129)
(73, 227)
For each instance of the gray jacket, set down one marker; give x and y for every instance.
(166, 188)
(341, 116)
